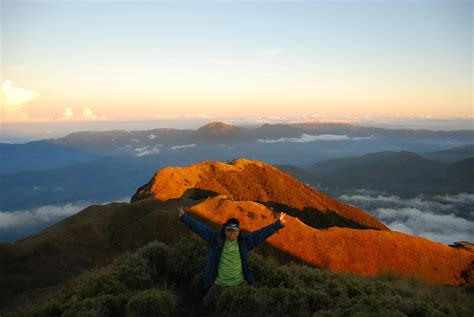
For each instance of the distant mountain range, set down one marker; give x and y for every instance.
(105, 166)
(297, 144)
(405, 174)
(451, 155)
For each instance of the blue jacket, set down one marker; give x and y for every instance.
(215, 241)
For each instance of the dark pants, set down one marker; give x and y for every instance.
(213, 294)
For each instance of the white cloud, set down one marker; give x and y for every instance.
(148, 150)
(362, 138)
(304, 138)
(68, 113)
(463, 198)
(88, 114)
(401, 227)
(32, 217)
(441, 204)
(176, 147)
(12, 96)
(444, 219)
(440, 228)
(151, 136)
(25, 218)
(313, 118)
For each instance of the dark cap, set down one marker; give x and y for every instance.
(232, 223)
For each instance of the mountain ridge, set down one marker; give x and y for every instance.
(86, 146)
(403, 173)
(324, 236)
(452, 155)
(253, 180)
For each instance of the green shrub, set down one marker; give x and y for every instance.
(135, 272)
(187, 258)
(280, 290)
(243, 301)
(156, 253)
(317, 299)
(287, 302)
(325, 313)
(106, 305)
(152, 302)
(264, 271)
(100, 283)
(249, 301)
(47, 308)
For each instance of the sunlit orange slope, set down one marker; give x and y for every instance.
(256, 181)
(351, 240)
(364, 252)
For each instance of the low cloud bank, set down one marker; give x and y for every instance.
(148, 150)
(177, 147)
(25, 218)
(304, 138)
(444, 219)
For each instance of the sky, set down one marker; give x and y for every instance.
(64, 61)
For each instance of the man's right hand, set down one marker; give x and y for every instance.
(180, 212)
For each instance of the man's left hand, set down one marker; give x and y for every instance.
(282, 217)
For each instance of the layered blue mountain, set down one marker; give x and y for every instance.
(279, 143)
(452, 155)
(41, 155)
(105, 166)
(405, 174)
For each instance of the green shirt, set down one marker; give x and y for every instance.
(230, 271)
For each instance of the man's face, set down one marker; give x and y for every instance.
(231, 234)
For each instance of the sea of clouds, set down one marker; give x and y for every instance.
(305, 138)
(443, 218)
(20, 223)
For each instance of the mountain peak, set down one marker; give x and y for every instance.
(319, 230)
(217, 129)
(252, 180)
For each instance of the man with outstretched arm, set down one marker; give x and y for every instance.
(227, 263)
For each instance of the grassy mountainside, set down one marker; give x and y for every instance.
(320, 231)
(93, 237)
(164, 280)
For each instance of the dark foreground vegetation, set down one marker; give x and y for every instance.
(164, 280)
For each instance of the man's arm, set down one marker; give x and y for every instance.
(257, 237)
(200, 229)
